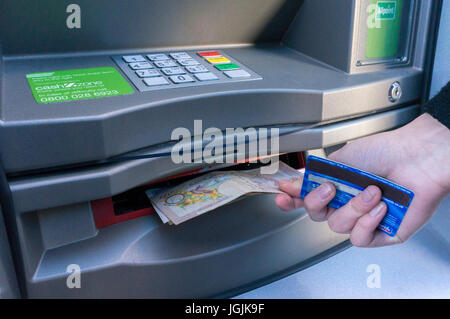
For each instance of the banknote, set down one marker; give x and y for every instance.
(195, 197)
(152, 192)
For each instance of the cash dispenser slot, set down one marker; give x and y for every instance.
(134, 203)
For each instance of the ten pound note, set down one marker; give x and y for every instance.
(205, 193)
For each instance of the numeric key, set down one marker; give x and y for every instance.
(141, 65)
(177, 79)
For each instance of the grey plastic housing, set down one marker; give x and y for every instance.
(8, 281)
(127, 26)
(319, 24)
(301, 88)
(56, 155)
(217, 254)
(342, 45)
(231, 248)
(294, 90)
(50, 190)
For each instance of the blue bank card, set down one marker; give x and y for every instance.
(350, 181)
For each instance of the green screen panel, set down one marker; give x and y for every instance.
(383, 31)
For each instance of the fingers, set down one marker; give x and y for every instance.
(290, 200)
(288, 203)
(345, 218)
(317, 200)
(364, 231)
(360, 217)
(291, 187)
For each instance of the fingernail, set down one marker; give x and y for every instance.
(324, 191)
(368, 194)
(377, 210)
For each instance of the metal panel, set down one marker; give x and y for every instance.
(115, 24)
(294, 89)
(51, 190)
(323, 29)
(8, 281)
(231, 247)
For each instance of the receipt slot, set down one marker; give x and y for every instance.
(83, 108)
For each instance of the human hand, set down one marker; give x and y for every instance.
(415, 156)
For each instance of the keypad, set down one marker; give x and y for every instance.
(140, 65)
(227, 66)
(208, 76)
(156, 81)
(218, 60)
(197, 69)
(161, 70)
(158, 57)
(173, 71)
(148, 73)
(180, 55)
(181, 78)
(133, 58)
(209, 54)
(188, 62)
(237, 74)
(166, 64)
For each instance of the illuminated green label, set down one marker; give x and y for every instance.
(383, 29)
(71, 85)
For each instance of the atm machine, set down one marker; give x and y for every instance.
(75, 167)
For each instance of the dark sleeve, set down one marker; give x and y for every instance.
(439, 106)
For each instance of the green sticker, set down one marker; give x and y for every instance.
(72, 85)
(386, 10)
(383, 31)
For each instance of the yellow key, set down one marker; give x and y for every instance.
(218, 60)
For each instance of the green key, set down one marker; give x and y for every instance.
(226, 67)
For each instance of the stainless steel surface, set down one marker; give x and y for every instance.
(142, 258)
(419, 268)
(8, 283)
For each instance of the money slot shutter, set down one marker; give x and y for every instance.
(135, 203)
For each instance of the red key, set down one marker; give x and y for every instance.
(207, 54)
